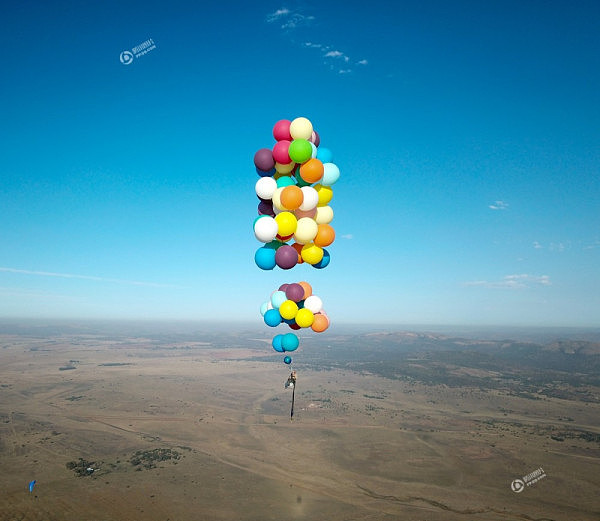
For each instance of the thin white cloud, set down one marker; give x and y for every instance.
(85, 277)
(313, 45)
(498, 205)
(347, 236)
(289, 19)
(345, 71)
(537, 245)
(334, 54)
(518, 281)
(362, 62)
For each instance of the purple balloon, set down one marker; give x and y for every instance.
(283, 287)
(263, 159)
(286, 257)
(294, 291)
(266, 208)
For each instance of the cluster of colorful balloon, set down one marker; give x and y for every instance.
(294, 189)
(295, 305)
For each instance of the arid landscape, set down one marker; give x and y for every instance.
(188, 422)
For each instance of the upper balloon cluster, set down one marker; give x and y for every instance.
(294, 189)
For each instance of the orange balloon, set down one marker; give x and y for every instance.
(312, 170)
(298, 247)
(320, 324)
(291, 197)
(325, 235)
(307, 289)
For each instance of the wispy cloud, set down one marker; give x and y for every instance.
(86, 277)
(518, 281)
(347, 236)
(289, 19)
(537, 245)
(498, 205)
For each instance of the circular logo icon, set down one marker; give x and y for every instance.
(126, 57)
(517, 485)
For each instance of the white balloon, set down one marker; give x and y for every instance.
(265, 229)
(324, 215)
(265, 187)
(311, 198)
(314, 303)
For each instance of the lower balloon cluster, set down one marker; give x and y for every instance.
(295, 305)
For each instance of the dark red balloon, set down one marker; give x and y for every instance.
(263, 159)
(266, 208)
(294, 291)
(281, 152)
(294, 326)
(286, 257)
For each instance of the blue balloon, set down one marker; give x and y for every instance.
(277, 343)
(265, 173)
(290, 342)
(31, 485)
(324, 261)
(324, 155)
(287, 360)
(278, 298)
(272, 318)
(265, 258)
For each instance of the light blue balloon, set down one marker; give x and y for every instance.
(290, 342)
(315, 150)
(272, 318)
(278, 298)
(276, 343)
(325, 155)
(265, 258)
(331, 173)
(264, 308)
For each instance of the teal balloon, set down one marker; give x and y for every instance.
(287, 360)
(324, 261)
(301, 182)
(331, 173)
(276, 343)
(278, 298)
(290, 342)
(300, 150)
(265, 258)
(285, 180)
(272, 318)
(324, 155)
(274, 244)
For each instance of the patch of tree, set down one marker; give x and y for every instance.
(147, 459)
(80, 467)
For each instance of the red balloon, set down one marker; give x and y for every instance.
(281, 130)
(281, 152)
(294, 326)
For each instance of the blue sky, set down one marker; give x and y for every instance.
(467, 135)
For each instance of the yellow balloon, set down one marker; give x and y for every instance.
(325, 194)
(284, 169)
(306, 230)
(305, 317)
(311, 253)
(301, 128)
(288, 309)
(277, 199)
(286, 223)
(324, 214)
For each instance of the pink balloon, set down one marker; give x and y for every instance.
(281, 130)
(281, 152)
(305, 213)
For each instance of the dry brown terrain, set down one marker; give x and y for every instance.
(361, 447)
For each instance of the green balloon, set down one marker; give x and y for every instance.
(301, 182)
(300, 150)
